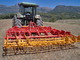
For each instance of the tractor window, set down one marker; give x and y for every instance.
(21, 9)
(29, 9)
(24, 10)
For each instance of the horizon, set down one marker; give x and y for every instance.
(44, 6)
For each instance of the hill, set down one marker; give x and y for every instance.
(57, 10)
(66, 12)
(48, 14)
(14, 9)
(8, 9)
(44, 9)
(66, 9)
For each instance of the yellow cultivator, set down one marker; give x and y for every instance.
(16, 43)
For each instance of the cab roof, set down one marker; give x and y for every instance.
(26, 4)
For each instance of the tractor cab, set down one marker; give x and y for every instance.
(28, 10)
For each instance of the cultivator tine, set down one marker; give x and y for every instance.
(78, 38)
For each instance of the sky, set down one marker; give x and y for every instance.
(43, 3)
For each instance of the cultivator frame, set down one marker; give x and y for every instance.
(33, 38)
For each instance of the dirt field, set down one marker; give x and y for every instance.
(68, 25)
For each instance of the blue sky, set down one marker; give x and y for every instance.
(43, 3)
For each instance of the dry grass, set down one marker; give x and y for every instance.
(72, 54)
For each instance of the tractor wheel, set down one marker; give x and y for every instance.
(39, 22)
(16, 21)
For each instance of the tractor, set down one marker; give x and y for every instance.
(28, 35)
(27, 14)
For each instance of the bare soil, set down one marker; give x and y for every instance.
(68, 25)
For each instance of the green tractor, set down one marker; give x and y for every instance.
(27, 14)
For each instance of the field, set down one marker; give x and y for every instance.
(69, 25)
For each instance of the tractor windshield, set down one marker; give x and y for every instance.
(24, 10)
(28, 9)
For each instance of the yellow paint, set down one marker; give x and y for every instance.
(40, 42)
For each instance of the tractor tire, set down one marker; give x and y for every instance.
(17, 22)
(39, 22)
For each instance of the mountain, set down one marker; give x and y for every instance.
(44, 9)
(60, 9)
(66, 9)
(8, 9)
(14, 9)
(66, 12)
(59, 12)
